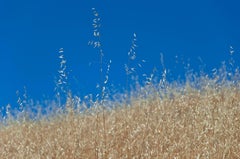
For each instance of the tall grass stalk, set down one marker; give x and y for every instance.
(96, 43)
(61, 88)
(131, 57)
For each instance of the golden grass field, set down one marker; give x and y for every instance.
(198, 120)
(194, 124)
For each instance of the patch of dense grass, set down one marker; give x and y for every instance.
(186, 124)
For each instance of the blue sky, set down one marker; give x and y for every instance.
(32, 32)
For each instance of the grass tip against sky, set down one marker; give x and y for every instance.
(32, 32)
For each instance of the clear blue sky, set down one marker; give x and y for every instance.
(31, 32)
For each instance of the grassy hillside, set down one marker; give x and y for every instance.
(198, 118)
(181, 123)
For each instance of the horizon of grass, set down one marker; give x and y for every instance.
(179, 123)
(195, 118)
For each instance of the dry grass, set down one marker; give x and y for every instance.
(179, 123)
(193, 124)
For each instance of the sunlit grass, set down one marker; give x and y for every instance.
(181, 123)
(195, 118)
